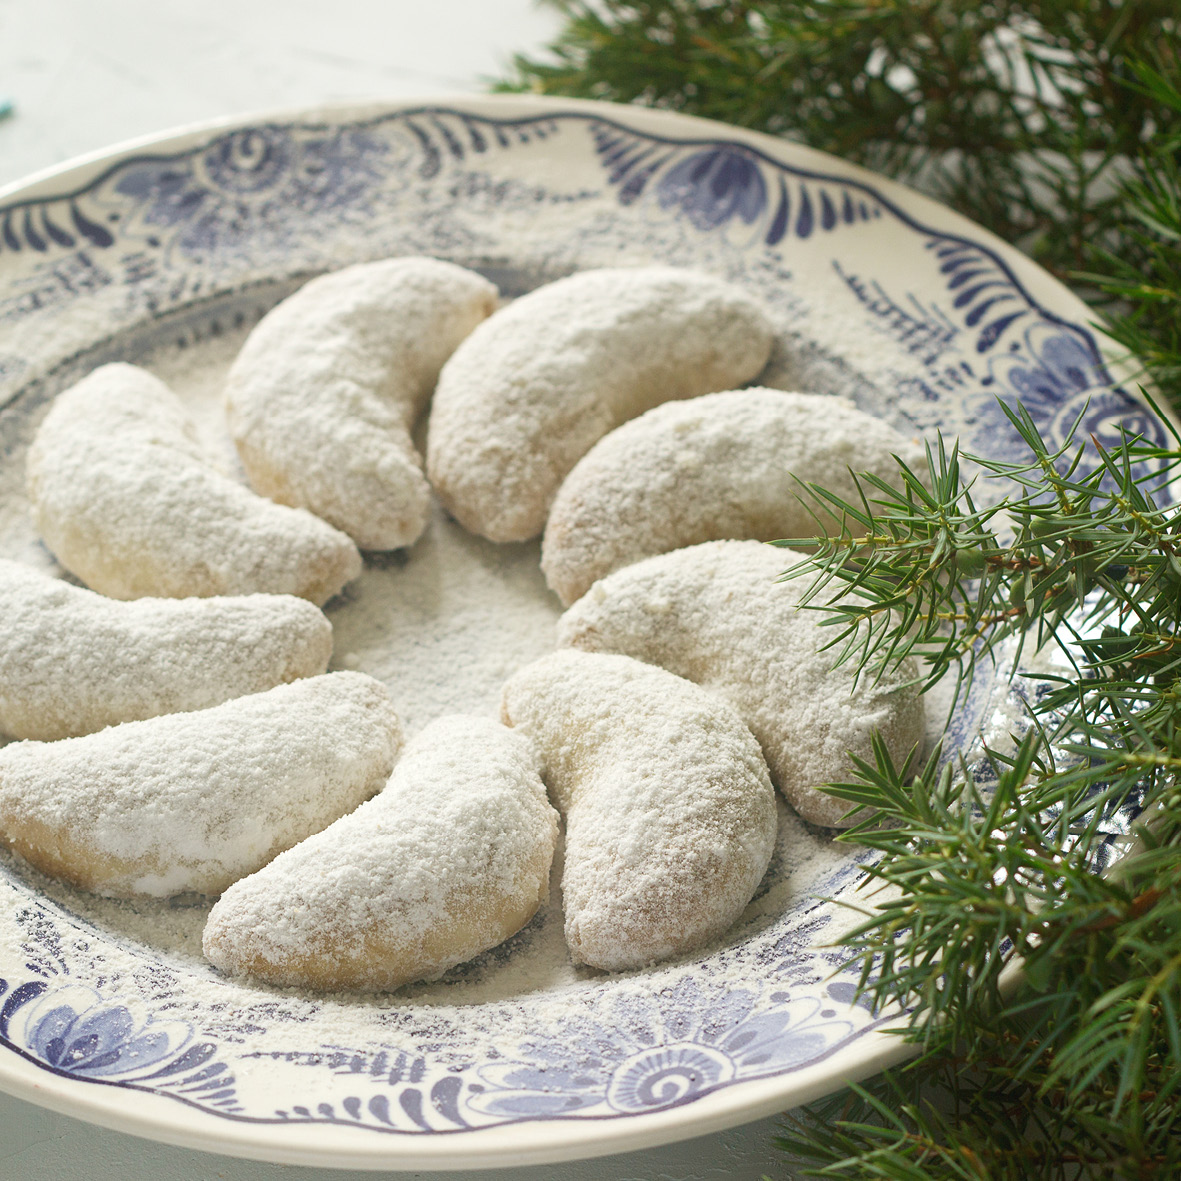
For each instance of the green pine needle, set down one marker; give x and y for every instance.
(1056, 124)
(1020, 113)
(968, 881)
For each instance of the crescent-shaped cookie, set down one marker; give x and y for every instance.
(715, 614)
(191, 802)
(327, 388)
(540, 381)
(670, 815)
(72, 661)
(126, 500)
(450, 859)
(721, 466)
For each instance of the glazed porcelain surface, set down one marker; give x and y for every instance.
(879, 295)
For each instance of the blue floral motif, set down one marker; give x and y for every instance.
(249, 161)
(134, 241)
(654, 1052)
(73, 1031)
(97, 1042)
(714, 186)
(1058, 376)
(1053, 368)
(721, 182)
(219, 198)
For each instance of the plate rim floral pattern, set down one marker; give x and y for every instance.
(60, 1041)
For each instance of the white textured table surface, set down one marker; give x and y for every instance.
(85, 74)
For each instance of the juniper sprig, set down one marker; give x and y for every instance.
(1078, 1061)
(1056, 124)
(1019, 113)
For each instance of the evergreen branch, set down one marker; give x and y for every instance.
(1056, 124)
(970, 880)
(1020, 113)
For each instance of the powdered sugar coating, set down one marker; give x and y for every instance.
(450, 859)
(194, 801)
(327, 388)
(725, 465)
(539, 382)
(715, 614)
(670, 814)
(72, 661)
(126, 500)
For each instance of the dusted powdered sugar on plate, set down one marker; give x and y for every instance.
(443, 625)
(165, 257)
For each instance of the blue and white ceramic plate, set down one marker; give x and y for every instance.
(165, 253)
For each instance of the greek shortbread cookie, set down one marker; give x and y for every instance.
(715, 614)
(72, 661)
(721, 466)
(327, 388)
(191, 802)
(450, 859)
(126, 500)
(670, 814)
(538, 383)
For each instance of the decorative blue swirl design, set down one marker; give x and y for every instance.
(626, 1055)
(156, 232)
(648, 1053)
(250, 161)
(211, 202)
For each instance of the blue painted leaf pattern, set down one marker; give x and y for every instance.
(158, 232)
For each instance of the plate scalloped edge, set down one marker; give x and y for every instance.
(101, 249)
